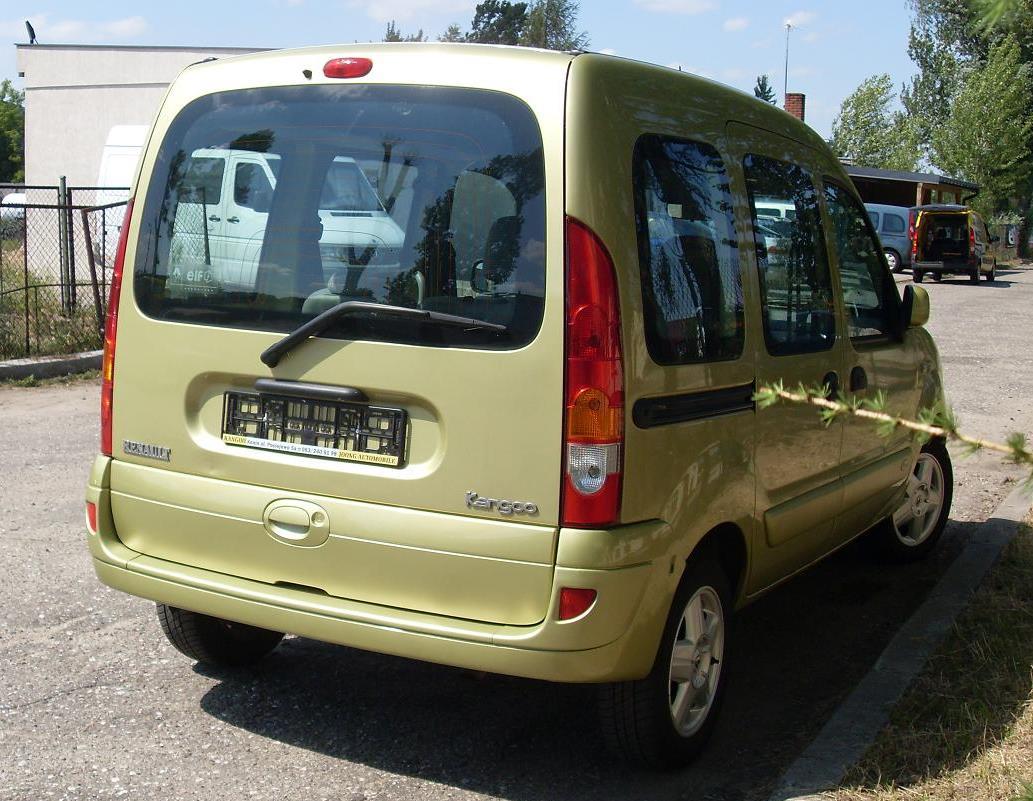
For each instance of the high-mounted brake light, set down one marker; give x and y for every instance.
(594, 390)
(107, 370)
(350, 67)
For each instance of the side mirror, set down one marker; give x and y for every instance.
(916, 306)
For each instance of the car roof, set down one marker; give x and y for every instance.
(886, 207)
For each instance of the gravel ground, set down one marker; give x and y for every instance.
(94, 704)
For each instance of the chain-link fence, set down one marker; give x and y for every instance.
(56, 253)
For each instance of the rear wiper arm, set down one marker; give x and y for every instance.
(272, 355)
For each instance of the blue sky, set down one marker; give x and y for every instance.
(833, 45)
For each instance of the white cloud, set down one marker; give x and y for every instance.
(799, 18)
(406, 10)
(677, 6)
(811, 37)
(60, 31)
(736, 24)
(607, 51)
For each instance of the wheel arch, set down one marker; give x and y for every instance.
(726, 543)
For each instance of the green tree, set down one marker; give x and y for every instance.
(762, 90)
(394, 34)
(870, 132)
(967, 30)
(552, 24)
(498, 22)
(12, 133)
(453, 33)
(988, 135)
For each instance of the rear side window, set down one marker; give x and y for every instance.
(874, 217)
(893, 224)
(795, 282)
(424, 197)
(688, 253)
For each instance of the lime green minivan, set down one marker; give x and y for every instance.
(518, 434)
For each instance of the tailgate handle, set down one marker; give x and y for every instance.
(302, 389)
(296, 522)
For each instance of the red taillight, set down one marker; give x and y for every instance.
(347, 67)
(911, 235)
(574, 602)
(107, 370)
(594, 391)
(91, 516)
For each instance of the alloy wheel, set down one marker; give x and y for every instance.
(695, 672)
(917, 515)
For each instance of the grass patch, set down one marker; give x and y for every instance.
(964, 730)
(52, 330)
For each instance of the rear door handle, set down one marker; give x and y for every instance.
(831, 384)
(233, 219)
(858, 379)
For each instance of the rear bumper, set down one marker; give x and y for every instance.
(615, 640)
(946, 267)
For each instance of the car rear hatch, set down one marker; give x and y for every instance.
(409, 454)
(942, 239)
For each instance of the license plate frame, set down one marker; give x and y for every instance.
(327, 429)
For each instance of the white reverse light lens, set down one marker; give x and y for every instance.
(589, 465)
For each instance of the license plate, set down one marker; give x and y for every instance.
(351, 432)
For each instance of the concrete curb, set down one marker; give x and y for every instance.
(50, 366)
(854, 726)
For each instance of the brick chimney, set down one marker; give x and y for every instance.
(795, 103)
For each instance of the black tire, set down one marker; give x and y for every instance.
(891, 543)
(918, 276)
(213, 641)
(893, 260)
(636, 716)
(937, 277)
(973, 275)
(992, 275)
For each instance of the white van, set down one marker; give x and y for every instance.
(220, 222)
(118, 165)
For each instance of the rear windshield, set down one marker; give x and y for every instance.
(270, 206)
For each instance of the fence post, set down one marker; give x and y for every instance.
(69, 232)
(62, 241)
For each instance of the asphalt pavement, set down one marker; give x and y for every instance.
(95, 704)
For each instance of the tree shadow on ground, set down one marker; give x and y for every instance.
(800, 650)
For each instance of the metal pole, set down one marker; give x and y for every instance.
(62, 241)
(785, 80)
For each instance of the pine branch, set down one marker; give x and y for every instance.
(933, 422)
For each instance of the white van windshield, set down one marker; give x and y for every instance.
(267, 207)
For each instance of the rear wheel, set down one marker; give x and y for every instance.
(937, 277)
(213, 641)
(973, 275)
(918, 276)
(992, 275)
(913, 530)
(663, 720)
(893, 260)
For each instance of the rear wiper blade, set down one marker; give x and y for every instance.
(272, 355)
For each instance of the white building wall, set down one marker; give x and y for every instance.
(75, 94)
